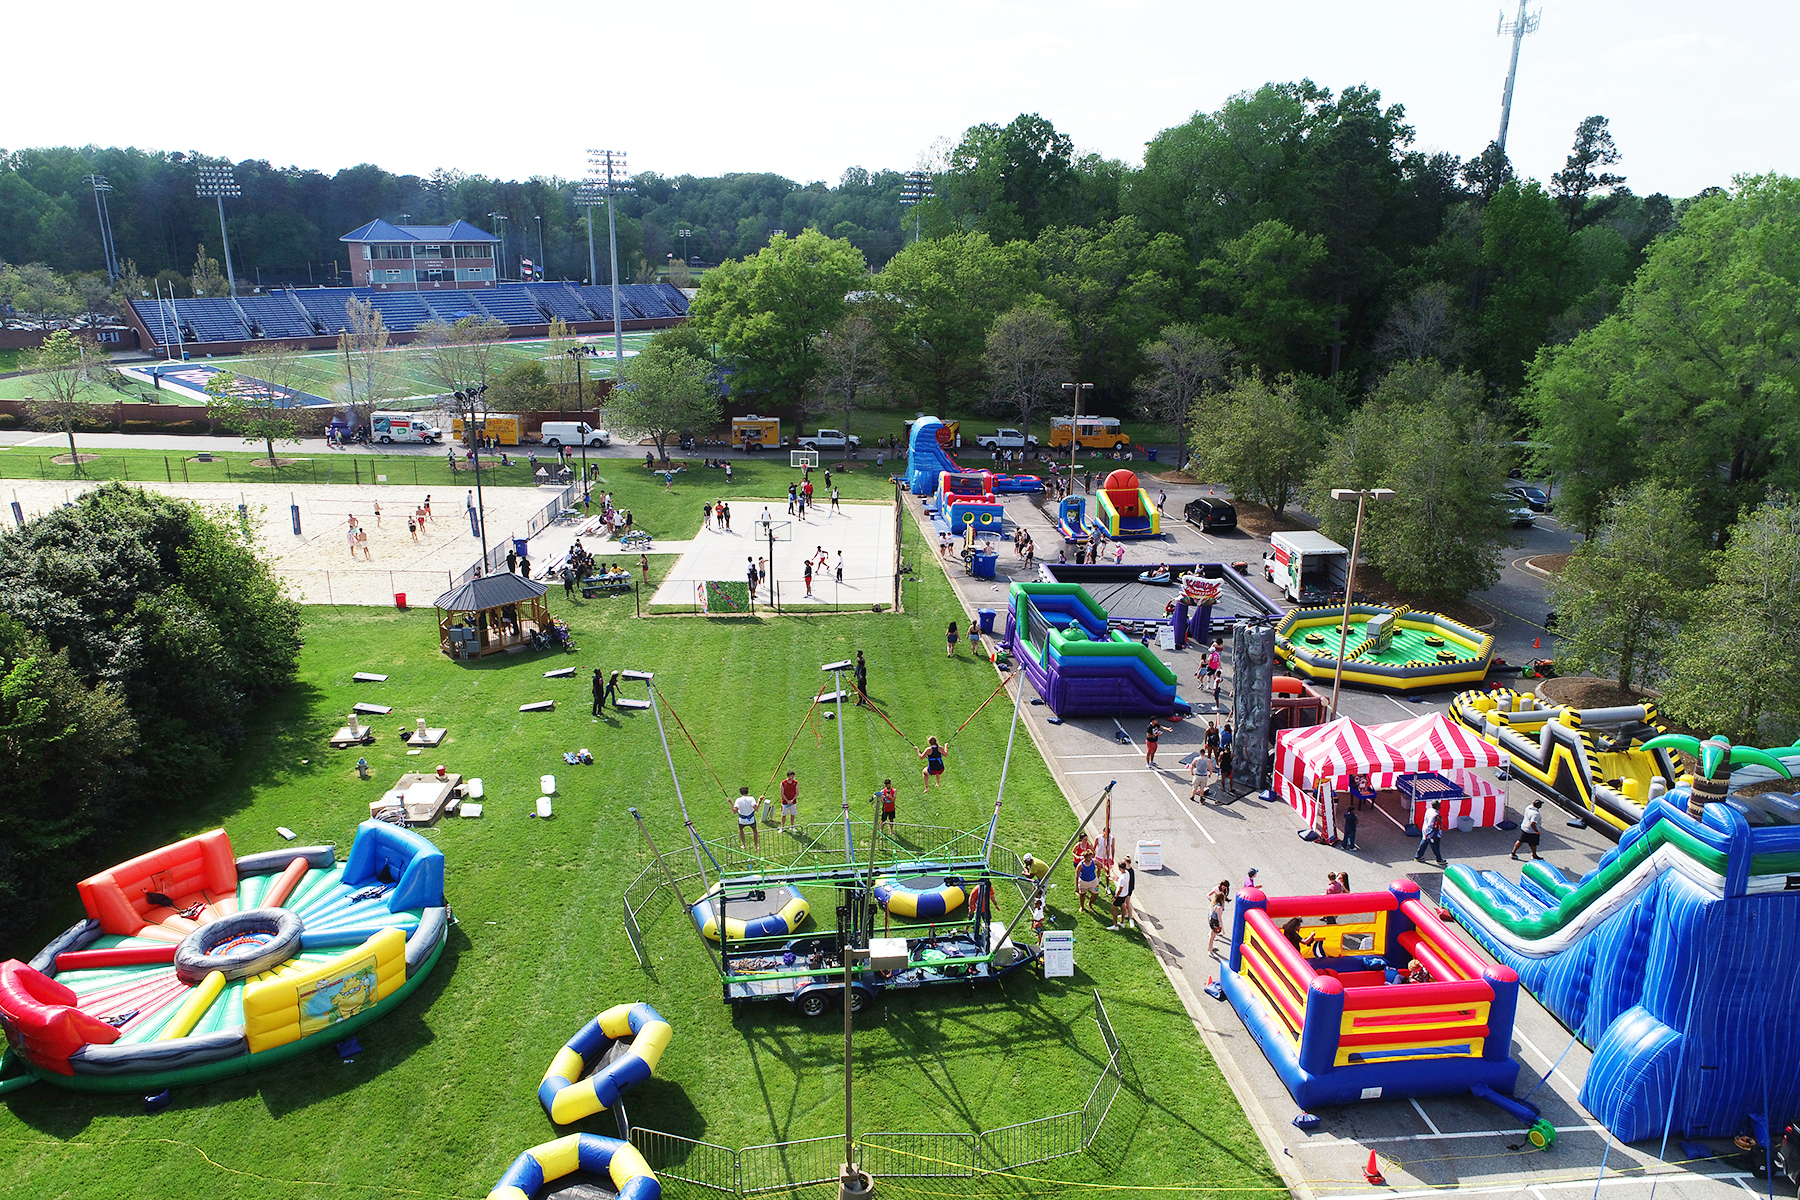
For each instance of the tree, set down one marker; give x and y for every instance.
(1185, 364)
(767, 313)
(1256, 439)
(1574, 185)
(1013, 182)
(1525, 251)
(370, 372)
(567, 371)
(1261, 286)
(1116, 285)
(664, 391)
(1029, 351)
(1627, 589)
(1424, 325)
(459, 356)
(523, 385)
(1426, 433)
(257, 408)
(207, 279)
(62, 381)
(1488, 172)
(1733, 665)
(933, 305)
(1715, 756)
(851, 365)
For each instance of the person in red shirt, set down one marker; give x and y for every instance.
(887, 796)
(790, 802)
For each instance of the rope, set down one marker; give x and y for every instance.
(681, 725)
(776, 774)
(877, 711)
(1004, 680)
(1550, 1072)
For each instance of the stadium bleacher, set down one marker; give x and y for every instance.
(157, 318)
(401, 310)
(214, 322)
(513, 305)
(327, 304)
(559, 300)
(275, 316)
(453, 306)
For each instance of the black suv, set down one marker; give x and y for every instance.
(1209, 513)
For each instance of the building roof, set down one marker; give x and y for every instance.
(490, 591)
(381, 231)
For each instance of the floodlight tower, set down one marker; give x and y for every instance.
(101, 210)
(218, 183)
(607, 179)
(1518, 27)
(500, 264)
(588, 198)
(915, 190)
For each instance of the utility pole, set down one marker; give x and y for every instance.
(101, 188)
(218, 183)
(606, 177)
(1518, 27)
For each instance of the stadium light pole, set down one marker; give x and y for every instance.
(587, 197)
(1362, 496)
(607, 174)
(684, 235)
(218, 183)
(500, 265)
(913, 191)
(1074, 426)
(540, 262)
(101, 188)
(578, 355)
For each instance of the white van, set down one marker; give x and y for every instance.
(388, 428)
(573, 433)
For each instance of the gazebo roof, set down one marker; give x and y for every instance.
(490, 591)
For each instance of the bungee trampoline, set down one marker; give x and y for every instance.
(765, 910)
(922, 896)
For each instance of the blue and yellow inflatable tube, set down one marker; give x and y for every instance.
(781, 911)
(540, 1165)
(569, 1093)
(900, 898)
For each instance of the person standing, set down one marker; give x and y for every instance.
(950, 641)
(644, 564)
(427, 505)
(1212, 740)
(750, 575)
(793, 496)
(568, 581)
(525, 567)
(412, 527)
(862, 680)
(1123, 890)
(933, 754)
(1333, 887)
(1152, 734)
(1349, 826)
(790, 802)
(834, 502)
(1431, 834)
(1225, 742)
(745, 808)
(599, 693)
(762, 574)
(512, 562)
(1215, 917)
(1087, 877)
(1200, 767)
(1531, 827)
(808, 575)
(1226, 770)
(887, 796)
(378, 514)
(840, 566)
(612, 688)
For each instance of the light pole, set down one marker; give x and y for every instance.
(587, 198)
(1075, 426)
(915, 190)
(606, 174)
(469, 396)
(578, 355)
(218, 183)
(684, 235)
(500, 265)
(540, 262)
(101, 188)
(1362, 496)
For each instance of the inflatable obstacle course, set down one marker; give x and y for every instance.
(1387, 649)
(1077, 663)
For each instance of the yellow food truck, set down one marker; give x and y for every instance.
(756, 433)
(503, 429)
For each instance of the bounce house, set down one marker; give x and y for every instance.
(193, 965)
(1124, 510)
(928, 458)
(966, 501)
(1077, 663)
(1677, 960)
(1345, 1024)
(1071, 518)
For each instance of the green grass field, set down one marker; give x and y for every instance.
(443, 1096)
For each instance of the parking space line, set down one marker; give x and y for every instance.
(1429, 1123)
(1136, 771)
(1183, 806)
(1639, 1178)
(1099, 756)
(1450, 1137)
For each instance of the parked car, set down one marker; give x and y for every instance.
(1534, 498)
(830, 439)
(1519, 513)
(1209, 513)
(1006, 439)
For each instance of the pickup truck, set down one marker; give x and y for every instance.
(830, 439)
(1006, 439)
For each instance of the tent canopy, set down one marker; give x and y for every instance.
(1433, 742)
(1333, 752)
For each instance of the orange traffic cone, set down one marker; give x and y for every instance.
(1537, 643)
(1372, 1172)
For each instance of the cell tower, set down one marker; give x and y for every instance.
(1518, 27)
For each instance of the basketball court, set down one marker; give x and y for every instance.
(862, 532)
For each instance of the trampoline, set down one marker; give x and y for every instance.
(924, 896)
(585, 1077)
(583, 1165)
(193, 965)
(1119, 591)
(773, 910)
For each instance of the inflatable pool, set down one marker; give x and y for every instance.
(193, 965)
(774, 910)
(581, 1083)
(924, 896)
(614, 1165)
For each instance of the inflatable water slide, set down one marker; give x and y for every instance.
(928, 458)
(1079, 665)
(1677, 960)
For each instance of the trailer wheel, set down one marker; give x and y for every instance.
(859, 1000)
(813, 1004)
(386, 440)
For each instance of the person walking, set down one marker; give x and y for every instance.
(790, 803)
(706, 515)
(612, 688)
(725, 515)
(512, 562)
(950, 641)
(1349, 827)
(599, 692)
(744, 805)
(1087, 877)
(412, 527)
(1152, 734)
(568, 581)
(525, 567)
(808, 573)
(933, 754)
(378, 514)
(1531, 827)
(427, 506)
(1212, 740)
(1215, 916)
(1431, 834)
(1123, 890)
(862, 680)
(1226, 770)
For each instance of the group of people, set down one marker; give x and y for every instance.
(1023, 545)
(1093, 863)
(716, 509)
(800, 497)
(1089, 553)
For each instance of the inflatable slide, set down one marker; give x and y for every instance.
(1124, 510)
(1677, 960)
(1077, 664)
(928, 457)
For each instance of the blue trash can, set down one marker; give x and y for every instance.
(522, 547)
(986, 617)
(1150, 453)
(984, 564)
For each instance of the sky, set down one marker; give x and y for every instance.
(1696, 92)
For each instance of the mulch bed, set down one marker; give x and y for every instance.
(1553, 563)
(277, 464)
(64, 460)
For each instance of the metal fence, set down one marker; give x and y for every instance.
(417, 470)
(563, 502)
(782, 1166)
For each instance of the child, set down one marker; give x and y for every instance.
(933, 754)
(887, 796)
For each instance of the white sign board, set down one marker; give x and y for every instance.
(1149, 856)
(1165, 636)
(1059, 953)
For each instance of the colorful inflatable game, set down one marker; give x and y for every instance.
(582, 1081)
(193, 965)
(924, 897)
(928, 457)
(1071, 518)
(1676, 960)
(1124, 510)
(966, 501)
(1342, 1023)
(1388, 649)
(758, 911)
(1079, 665)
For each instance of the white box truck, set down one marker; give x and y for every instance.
(573, 433)
(1309, 567)
(388, 428)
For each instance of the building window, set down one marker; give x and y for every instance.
(433, 276)
(393, 252)
(484, 252)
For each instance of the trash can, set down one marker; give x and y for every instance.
(522, 547)
(983, 567)
(986, 617)
(1150, 453)
(399, 599)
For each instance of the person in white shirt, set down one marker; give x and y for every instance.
(1531, 827)
(1431, 834)
(745, 807)
(1122, 893)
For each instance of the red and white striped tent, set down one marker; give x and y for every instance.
(1435, 743)
(1328, 754)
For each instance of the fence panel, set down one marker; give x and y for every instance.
(1031, 1142)
(918, 1155)
(780, 1166)
(672, 1156)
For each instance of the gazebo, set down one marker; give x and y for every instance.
(490, 614)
